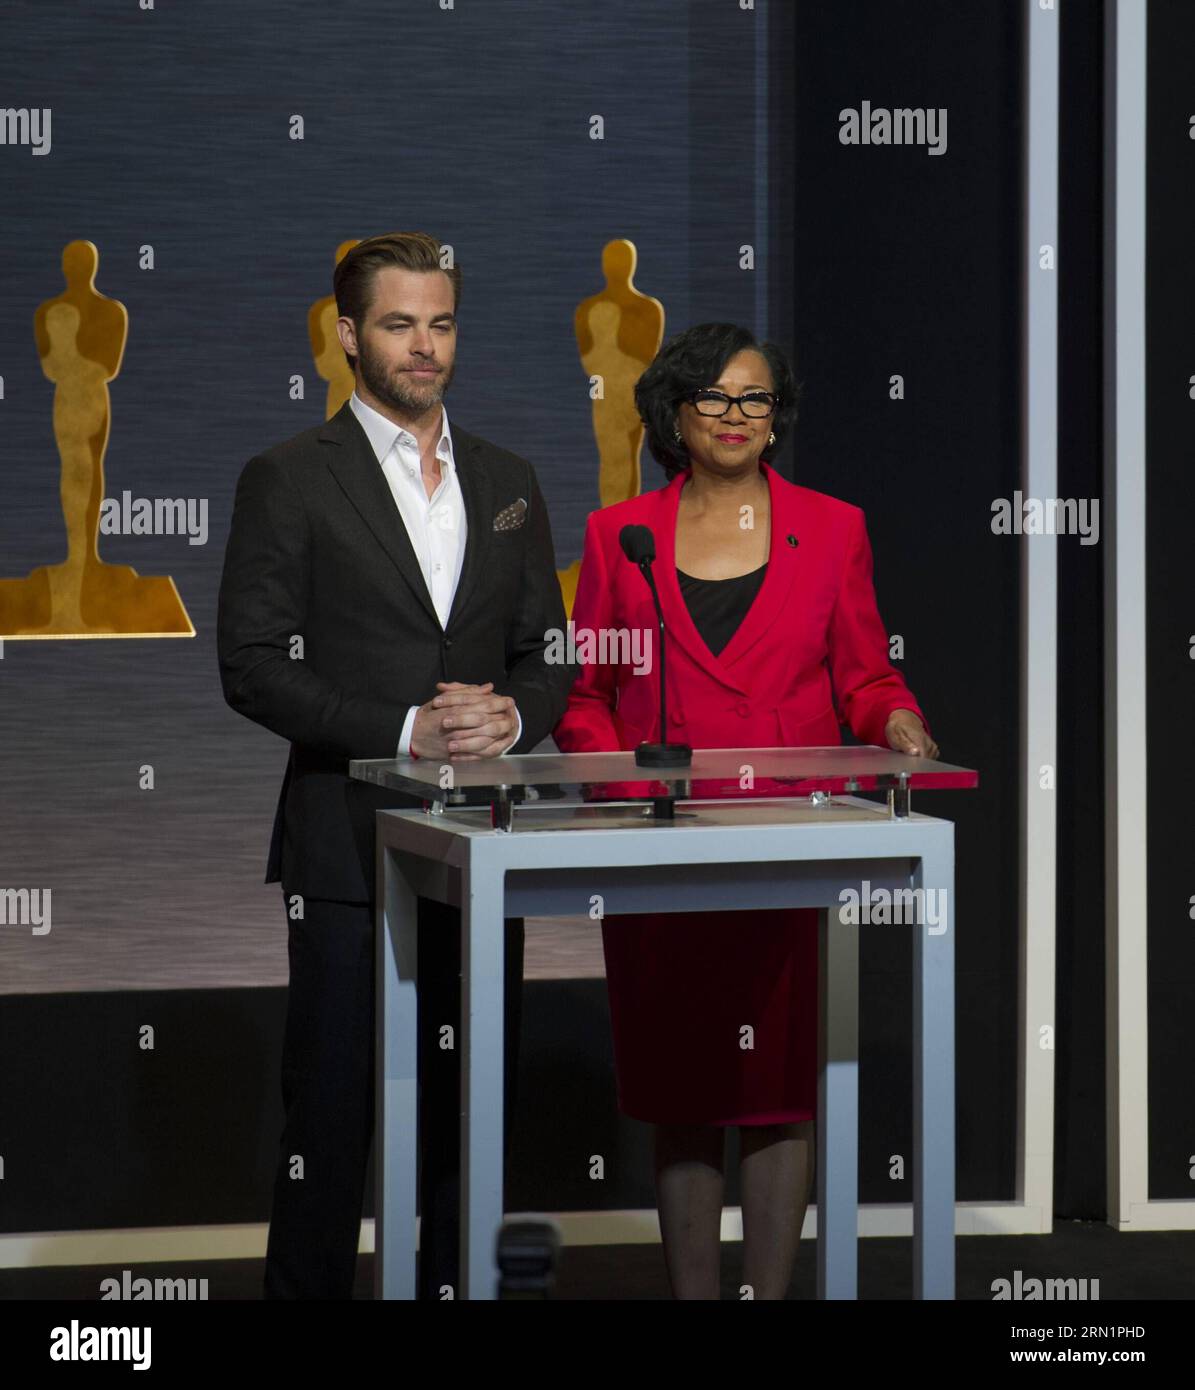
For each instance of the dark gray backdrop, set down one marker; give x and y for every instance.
(170, 128)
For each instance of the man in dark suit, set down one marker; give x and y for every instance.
(387, 590)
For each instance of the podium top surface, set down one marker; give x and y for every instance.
(781, 771)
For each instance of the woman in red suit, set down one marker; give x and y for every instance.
(774, 637)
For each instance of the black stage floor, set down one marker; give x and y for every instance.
(1129, 1266)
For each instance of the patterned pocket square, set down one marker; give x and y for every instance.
(512, 517)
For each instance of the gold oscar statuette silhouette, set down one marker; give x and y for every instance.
(619, 331)
(330, 362)
(80, 338)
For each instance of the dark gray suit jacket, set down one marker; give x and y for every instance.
(318, 550)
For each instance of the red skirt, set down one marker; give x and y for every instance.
(714, 1015)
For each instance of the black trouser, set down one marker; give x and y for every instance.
(327, 1092)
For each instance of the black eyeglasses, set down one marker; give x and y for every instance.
(757, 404)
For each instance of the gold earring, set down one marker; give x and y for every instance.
(772, 437)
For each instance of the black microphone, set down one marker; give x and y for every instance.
(639, 546)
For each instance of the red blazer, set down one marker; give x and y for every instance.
(812, 651)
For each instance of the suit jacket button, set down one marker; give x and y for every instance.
(448, 641)
(743, 708)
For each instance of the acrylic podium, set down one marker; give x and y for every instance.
(740, 829)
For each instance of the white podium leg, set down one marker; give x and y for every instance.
(933, 1078)
(838, 1107)
(396, 1110)
(482, 1078)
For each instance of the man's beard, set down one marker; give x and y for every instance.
(399, 391)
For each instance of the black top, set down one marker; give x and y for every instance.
(718, 606)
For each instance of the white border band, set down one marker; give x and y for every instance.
(1126, 806)
(1039, 626)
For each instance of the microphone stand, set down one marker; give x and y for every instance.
(662, 754)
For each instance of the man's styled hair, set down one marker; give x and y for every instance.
(352, 280)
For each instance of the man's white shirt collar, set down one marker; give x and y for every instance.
(382, 433)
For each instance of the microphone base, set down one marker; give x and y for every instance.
(663, 755)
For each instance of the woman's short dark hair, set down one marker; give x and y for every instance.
(695, 359)
(352, 280)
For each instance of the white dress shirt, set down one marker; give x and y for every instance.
(436, 526)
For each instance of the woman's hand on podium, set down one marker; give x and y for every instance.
(907, 734)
